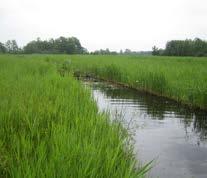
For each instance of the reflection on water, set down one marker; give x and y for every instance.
(173, 135)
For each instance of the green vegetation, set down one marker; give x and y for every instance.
(181, 78)
(2, 48)
(195, 47)
(60, 45)
(72, 45)
(50, 126)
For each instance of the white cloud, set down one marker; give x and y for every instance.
(116, 24)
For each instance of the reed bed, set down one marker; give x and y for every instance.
(183, 79)
(51, 127)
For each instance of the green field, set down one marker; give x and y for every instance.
(50, 125)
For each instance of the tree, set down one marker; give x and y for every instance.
(60, 45)
(155, 50)
(127, 51)
(11, 46)
(2, 48)
(188, 47)
(14, 46)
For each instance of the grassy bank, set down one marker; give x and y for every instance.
(50, 126)
(181, 78)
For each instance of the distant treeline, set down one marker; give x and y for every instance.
(196, 47)
(60, 45)
(121, 52)
(72, 45)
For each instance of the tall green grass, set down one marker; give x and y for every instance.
(50, 126)
(181, 78)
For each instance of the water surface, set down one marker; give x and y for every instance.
(173, 135)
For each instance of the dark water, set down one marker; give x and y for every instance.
(173, 135)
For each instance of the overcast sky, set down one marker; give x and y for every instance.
(113, 24)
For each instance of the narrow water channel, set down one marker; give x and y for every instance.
(173, 135)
